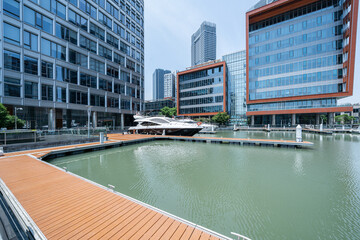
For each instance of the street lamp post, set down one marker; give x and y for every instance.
(20, 109)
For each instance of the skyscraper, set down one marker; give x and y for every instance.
(236, 76)
(300, 60)
(169, 85)
(158, 83)
(59, 58)
(203, 44)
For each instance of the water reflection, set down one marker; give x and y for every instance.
(264, 193)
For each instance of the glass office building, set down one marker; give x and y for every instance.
(202, 90)
(203, 44)
(300, 59)
(158, 83)
(236, 78)
(60, 58)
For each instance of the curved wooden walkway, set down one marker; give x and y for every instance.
(65, 206)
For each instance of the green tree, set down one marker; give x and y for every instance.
(344, 118)
(7, 120)
(221, 118)
(168, 112)
(3, 114)
(323, 118)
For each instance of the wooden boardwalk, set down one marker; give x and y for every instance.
(65, 206)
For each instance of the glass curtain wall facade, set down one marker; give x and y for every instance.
(236, 77)
(203, 44)
(202, 91)
(158, 83)
(59, 57)
(298, 56)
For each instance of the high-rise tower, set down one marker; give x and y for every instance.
(203, 44)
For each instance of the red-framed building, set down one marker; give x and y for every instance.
(202, 90)
(300, 59)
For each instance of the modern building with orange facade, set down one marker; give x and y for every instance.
(202, 90)
(300, 60)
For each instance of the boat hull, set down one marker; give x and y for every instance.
(168, 131)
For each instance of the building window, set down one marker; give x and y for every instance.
(30, 65)
(47, 69)
(78, 20)
(118, 88)
(110, 39)
(125, 76)
(11, 34)
(97, 31)
(11, 8)
(31, 90)
(87, 44)
(119, 59)
(105, 52)
(66, 34)
(88, 8)
(77, 97)
(112, 10)
(78, 58)
(96, 100)
(52, 49)
(55, 7)
(66, 75)
(105, 85)
(46, 92)
(30, 41)
(97, 66)
(61, 94)
(11, 60)
(113, 72)
(12, 87)
(105, 20)
(38, 20)
(101, 3)
(88, 80)
(73, 2)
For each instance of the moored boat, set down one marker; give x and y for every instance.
(164, 126)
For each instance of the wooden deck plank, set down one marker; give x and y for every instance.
(153, 229)
(124, 219)
(67, 207)
(149, 225)
(179, 231)
(204, 236)
(162, 229)
(131, 221)
(82, 217)
(100, 220)
(196, 235)
(170, 231)
(187, 234)
(139, 226)
(75, 210)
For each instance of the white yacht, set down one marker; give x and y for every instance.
(164, 126)
(206, 126)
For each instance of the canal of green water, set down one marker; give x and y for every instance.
(259, 192)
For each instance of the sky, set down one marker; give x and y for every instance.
(170, 24)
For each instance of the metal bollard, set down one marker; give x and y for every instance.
(101, 137)
(299, 134)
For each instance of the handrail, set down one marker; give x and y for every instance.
(240, 236)
(21, 215)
